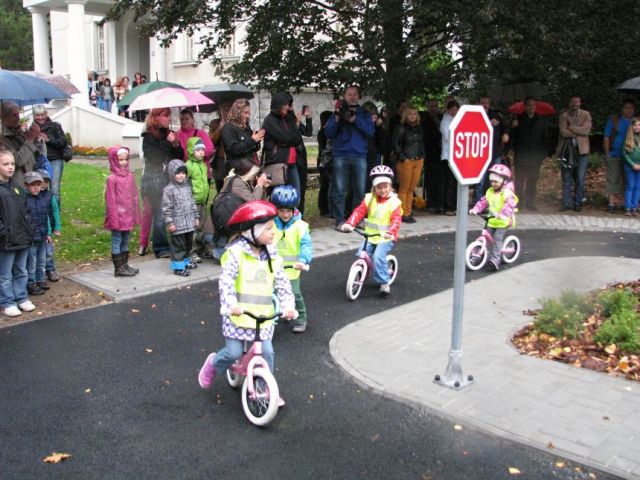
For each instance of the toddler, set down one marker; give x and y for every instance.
(54, 229)
(197, 170)
(41, 216)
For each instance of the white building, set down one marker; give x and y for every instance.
(80, 45)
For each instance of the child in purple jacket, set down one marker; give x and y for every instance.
(123, 211)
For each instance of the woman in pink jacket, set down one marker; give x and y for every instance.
(123, 211)
(188, 130)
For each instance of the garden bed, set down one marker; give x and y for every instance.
(599, 330)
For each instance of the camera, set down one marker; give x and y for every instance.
(346, 111)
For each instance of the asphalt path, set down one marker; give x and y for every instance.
(116, 388)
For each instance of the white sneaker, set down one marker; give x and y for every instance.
(27, 306)
(12, 311)
(385, 289)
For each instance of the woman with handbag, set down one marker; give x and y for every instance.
(282, 137)
(58, 148)
(159, 146)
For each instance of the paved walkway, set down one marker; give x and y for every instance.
(589, 417)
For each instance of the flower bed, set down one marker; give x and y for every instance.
(90, 151)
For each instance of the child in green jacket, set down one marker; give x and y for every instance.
(197, 171)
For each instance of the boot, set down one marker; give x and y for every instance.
(135, 271)
(119, 266)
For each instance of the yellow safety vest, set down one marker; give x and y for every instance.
(496, 202)
(379, 216)
(289, 246)
(254, 286)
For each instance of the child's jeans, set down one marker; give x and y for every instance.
(498, 239)
(120, 241)
(51, 260)
(378, 253)
(37, 261)
(233, 351)
(13, 277)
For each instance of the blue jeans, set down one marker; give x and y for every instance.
(293, 178)
(219, 246)
(51, 261)
(631, 187)
(233, 351)
(106, 105)
(571, 176)
(378, 253)
(13, 277)
(347, 170)
(58, 168)
(481, 188)
(120, 241)
(37, 261)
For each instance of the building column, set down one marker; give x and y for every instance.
(76, 50)
(111, 46)
(40, 26)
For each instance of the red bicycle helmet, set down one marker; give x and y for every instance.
(250, 214)
(501, 170)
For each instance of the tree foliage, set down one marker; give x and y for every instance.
(16, 36)
(397, 49)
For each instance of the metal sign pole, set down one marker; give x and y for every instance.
(453, 376)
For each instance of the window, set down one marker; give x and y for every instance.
(101, 60)
(230, 48)
(184, 49)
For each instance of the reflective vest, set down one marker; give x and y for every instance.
(254, 286)
(289, 246)
(496, 202)
(379, 216)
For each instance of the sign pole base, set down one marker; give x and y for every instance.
(453, 376)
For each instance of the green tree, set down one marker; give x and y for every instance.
(16, 36)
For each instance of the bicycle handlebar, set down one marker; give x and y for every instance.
(361, 232)
(257, 318)
(306, 267)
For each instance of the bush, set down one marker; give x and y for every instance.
(623, 329)
(615, 302)
(564, 316)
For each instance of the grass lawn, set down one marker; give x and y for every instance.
(84, 238)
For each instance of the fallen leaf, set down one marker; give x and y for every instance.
(550, 445)
(375, 437)
(135, 310)
(611, 349)
(577, 469)
(514, 471)
(154, 306)
(560, 464)
(311, 396)
(465, 453)
(87, 391)
(605, 418)
(148, 350)
(56, 457)
(623, 365)
(457, 427)
(592, 475)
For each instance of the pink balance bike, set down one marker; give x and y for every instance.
(260, 391)
(361, 269)
(478, 251)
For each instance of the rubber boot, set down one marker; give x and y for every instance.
(119, 266)
(135, 271)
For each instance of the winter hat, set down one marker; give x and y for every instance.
(381, 179)
(181, 169)
(122, 150)
(32, 177)
(198, 144)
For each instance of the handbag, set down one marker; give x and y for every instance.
(67, 152)
(277, 173)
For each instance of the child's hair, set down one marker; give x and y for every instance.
(4, 152)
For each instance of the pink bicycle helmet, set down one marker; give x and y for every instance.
(501, 170)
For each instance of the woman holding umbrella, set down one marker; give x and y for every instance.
(159, 146)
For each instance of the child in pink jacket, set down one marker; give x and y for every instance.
(123, 211)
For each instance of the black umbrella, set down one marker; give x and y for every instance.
(226, 92)
(631, 86)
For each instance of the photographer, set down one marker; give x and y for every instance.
(350, 127)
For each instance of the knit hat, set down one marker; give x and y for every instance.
(122, 150)
(32, 177)
(199, 144)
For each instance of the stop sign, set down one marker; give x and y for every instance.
(470, 144)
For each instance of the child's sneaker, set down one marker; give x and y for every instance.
(207, 373)
(182, 273)
(12, 311)
(195, 258)
(191, 265)
(493, 265)
(385, 289)
(27, 306)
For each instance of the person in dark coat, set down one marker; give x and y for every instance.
(430, 121)
(240, 143)
(306, 130)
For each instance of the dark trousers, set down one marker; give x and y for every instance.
(302, 176)
(180, 246)
(323, 194)
(526, 184)
(430, 182)
(447, 188)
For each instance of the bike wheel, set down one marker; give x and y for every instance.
(234, 379)
(476, 256)
(392, 267)
(263, 407)
(510, 249)
(355, 281)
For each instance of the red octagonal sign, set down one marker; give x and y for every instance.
(470, 144)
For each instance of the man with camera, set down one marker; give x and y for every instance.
(350, 128)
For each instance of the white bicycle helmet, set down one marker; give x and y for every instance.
(380, 174)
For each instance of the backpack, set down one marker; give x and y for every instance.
(224, 205)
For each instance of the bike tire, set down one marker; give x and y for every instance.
(392, 267)
(234, 379)
(476, 256)
(355, 281)
(512, 246)
(262, 410)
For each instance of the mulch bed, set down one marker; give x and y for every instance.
(582, 351)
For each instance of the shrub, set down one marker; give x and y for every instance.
(623, 329)
(564, 316)
(615, 302)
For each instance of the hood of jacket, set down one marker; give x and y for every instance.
(284, 226)
(190, 144)
(279, 100)
(114, 165)
(171, 169)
